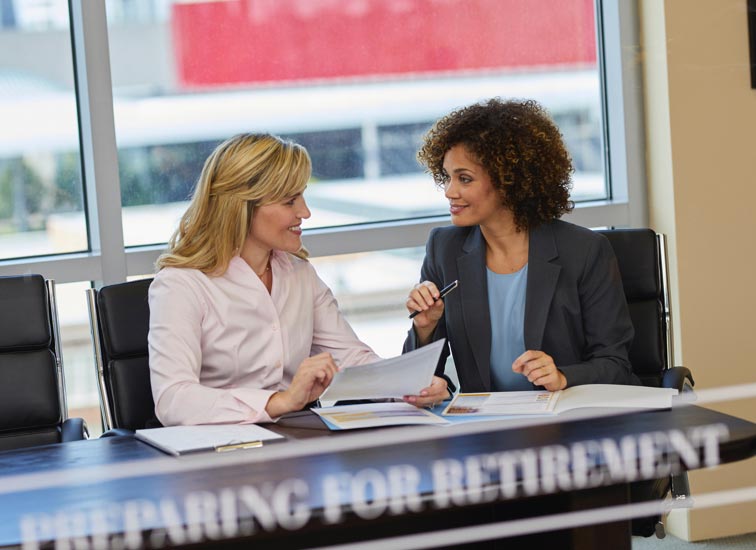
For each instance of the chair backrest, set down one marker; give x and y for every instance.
(32, 395)
(642, 259)
(119, 317)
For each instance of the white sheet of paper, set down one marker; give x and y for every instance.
(371, 415)
(391, 378)
(178, 440)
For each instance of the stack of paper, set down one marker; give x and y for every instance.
(372, 415)
(391, 378)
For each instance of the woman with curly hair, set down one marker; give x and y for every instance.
(540, 301)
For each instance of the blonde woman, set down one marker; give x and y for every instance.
(242, 330)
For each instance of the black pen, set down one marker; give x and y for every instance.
(444, 291)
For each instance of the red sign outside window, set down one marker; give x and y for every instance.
(234, 42)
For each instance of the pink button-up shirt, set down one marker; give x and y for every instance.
(221, 346)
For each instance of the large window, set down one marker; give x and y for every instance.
(97, 163)
(41, 200)
(357, 82)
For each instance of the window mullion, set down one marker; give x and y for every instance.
(621, 80)
(99, 151)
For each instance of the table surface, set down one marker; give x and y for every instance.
(85, 474)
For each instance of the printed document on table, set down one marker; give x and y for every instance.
(391, 378)
(498, 403)
(614, 396)
(371, 415)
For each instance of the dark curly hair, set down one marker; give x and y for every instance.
(520, 148)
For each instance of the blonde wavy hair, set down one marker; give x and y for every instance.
(244, 172)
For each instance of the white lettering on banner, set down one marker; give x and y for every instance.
(528, 470)
(507, 475)
(100, 522)
(448, 482)
(586, 469)
(137, 516)
(708, 438)
(561, 468)
(258, 507)
(622, 459)
(290, 504)
(229, 513)
(333, 490)
(404, 489)
(202, 516)
(369, 494)
(555, 469)
(480, 472)
(372, 492)
(173, 526)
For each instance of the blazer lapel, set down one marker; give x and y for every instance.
(542, 281)
(474, 295)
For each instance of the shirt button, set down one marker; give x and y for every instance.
(279, 364)
(275, 327)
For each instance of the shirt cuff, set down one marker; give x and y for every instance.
(256, 400)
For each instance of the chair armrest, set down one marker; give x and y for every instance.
(115, 432)
(675, 377)
(74, 429)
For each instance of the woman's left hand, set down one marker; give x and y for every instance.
(539, 368)
(434, 394)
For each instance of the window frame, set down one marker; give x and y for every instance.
(109, 261)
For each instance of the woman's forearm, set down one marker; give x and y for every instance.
(424, 334)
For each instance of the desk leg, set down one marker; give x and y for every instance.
(615, 535)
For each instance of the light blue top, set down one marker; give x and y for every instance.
(506, 304)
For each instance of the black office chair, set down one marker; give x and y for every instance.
(33, 407)
(642, 258)
(119, 318)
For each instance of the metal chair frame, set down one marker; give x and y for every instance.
(95, 333)
(52, 308)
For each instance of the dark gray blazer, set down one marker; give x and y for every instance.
(575, 308)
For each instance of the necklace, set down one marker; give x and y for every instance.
(264, 271)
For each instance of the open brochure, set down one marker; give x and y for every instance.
(179, 440)
(391, 378)
(545, 402)
(371, 415)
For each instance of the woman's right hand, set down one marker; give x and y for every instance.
(313, 376)
(424, 298)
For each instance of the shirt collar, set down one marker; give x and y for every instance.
(239, 269)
